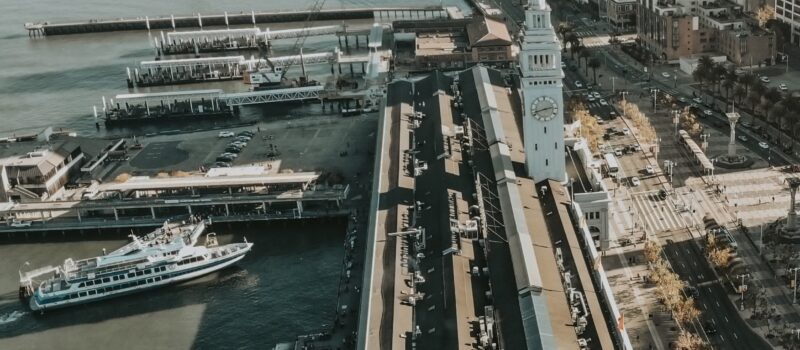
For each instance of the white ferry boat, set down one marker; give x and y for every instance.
(165, 256)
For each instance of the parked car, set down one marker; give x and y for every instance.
(708, 112)
(665, 74)
(662, 194)
(233, 149)
(224, 159)
(596, 95)
(578, 84)
(765, 79)
(635, 181)
(783, 87)
(222, 164)
(618, 152)
(223, 134)
(746, 124)
(243, 138)
(229, 154)
(691, 291)
(240, 144)
(763, 145)
(742, 138)
(649, 170)
(626, 131)
(603, 102)
(18, 223)
(697, 100)
(247, 133)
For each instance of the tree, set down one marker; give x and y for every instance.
(570, 38)
(747, 79)
(686, 311)
(590, 129)
(716, 73)
(652, 252)
(764, 14)
(594, 63)
(753, 98)
(720, 257)
(585, 54)
(689, 341)
(739, 92)
(573, 49)
(688, 122)
(704, 70)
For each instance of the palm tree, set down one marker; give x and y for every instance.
(704, 69)
(594, 63)
(585, 54)
(575, 49)
(698, 75)
(739, 92)
(717, 75)
(748, 79)
(728, 84)
(753, 98)
(569, 38)
(773, 95)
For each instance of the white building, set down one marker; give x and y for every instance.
(542, 101)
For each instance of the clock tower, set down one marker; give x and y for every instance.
(542, 101)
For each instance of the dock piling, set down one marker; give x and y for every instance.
(172, 19)
(147, 22)
(200, 20)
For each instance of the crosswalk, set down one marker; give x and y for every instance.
(654, 213)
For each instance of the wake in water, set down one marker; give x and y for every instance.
(11, 317)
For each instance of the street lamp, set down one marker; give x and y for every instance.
(742, 288)
(676, 120)
(794, 269)
(655, 95)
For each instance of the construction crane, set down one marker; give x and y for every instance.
(301, 40)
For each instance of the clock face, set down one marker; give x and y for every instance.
(544, 108)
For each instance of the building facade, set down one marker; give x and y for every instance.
(622, 14)
(541, 80)
(40, 174)
(676, 29)
(788, 11)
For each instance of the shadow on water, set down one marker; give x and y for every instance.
(287, 285)
(88, 78)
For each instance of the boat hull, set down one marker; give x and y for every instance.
(216, 266)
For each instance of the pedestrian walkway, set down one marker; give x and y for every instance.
(657, 214)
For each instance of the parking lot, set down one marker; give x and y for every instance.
(297, 143)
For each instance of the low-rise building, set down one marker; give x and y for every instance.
(674, 29)
(788, 12)
(622, 14)
(39, 174)
(483, 40)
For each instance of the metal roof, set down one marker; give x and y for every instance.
(199, 181)
(169, 95)
(185, 62)
(217, 33)
(376, 36)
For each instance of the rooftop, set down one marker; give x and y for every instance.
(487, 31)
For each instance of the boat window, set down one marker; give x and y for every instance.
(147, 272)
(114, 278)
(141, 282)
(157, 279)
(89, 283)
(131, 274)
(149, 280)
(82, 294)
(106, 280)
(73, 296)
(139, 273)
(97, 281)
(83, 284)
(92, 292)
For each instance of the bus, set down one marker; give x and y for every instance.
(612, 165)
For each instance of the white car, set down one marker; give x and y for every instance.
(665, 74)
(603, 102)
(635, 181)
(223, 134)
(240, 144)
(17, 223)
(742, 138)
(578, 84)
(783, 87)
(697, 100)
(229, 155)
(708, 112)
(649, 170)
(596, 94)
(765, 79)
(618, 152)
(626, 131)
(763, 145)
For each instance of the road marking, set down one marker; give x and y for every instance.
(721, 337)
(695, 263)
(714, 321)
(709, 289)
(684, 265)
(726, 319)
(717, 303)
(705, 306)
(735, 336)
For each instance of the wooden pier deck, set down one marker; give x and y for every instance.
(172, 22)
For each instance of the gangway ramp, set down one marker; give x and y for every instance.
(273, 95)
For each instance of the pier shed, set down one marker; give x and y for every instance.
(145, 107)
(187, 70)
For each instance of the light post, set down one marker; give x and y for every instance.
(794, 269)
(623, 95)
(675, 76)
(655, 95)
(761, 241)
(676, 120)
(704, 144)
(786, 58)
(613, 86)
(742, 288)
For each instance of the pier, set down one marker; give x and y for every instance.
(144, 108)
(195, 70)
(226, 19)
(226, 195)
